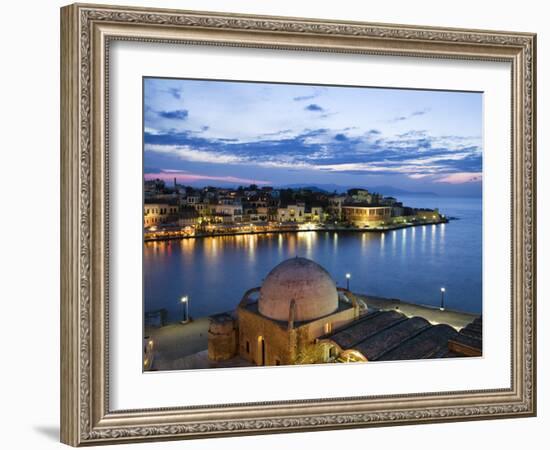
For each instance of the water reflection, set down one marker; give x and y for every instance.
(310, 241)
(215, 271)
(433, 239)
(413, 242)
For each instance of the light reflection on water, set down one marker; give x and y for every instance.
(215, 271)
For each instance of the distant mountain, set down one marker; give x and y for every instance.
(325, 188)
(384, 190)
(389, 190)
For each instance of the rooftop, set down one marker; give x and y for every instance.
(300, 282)
(391, 335)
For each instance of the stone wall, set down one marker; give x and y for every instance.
(222, 338)
(278, 342)
(280, 345)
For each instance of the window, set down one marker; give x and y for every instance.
(247, 347)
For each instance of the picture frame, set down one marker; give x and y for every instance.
(87, 31)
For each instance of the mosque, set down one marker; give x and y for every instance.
(299, 316)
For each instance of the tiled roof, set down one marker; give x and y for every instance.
(469, 340)
(391, 335)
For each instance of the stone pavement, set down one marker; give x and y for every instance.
(456, 319)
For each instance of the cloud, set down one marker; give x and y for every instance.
(258, 126)
(412, 134)
(183, 176)
(324, 150)
(420, 112)
(316, 93)
(416, 113)
(418, 176)
(460, 178)
(188, 153)
(340, 137)
(151, 170)
(314, 108)
(305, 97)
(175, 92)
(179, 114)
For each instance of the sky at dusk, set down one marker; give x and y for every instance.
(225, 133)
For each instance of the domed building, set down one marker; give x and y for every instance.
(279, 322)
(299, 316)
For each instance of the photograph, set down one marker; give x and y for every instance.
(291, 224)
(291, 220)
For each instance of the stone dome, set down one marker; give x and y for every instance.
(302, 280)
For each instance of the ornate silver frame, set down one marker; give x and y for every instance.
(86, 31)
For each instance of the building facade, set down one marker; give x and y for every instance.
(157, 213)
(361, 216)
(292, 213)
(280, 322)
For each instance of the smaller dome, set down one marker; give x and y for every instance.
(304, 281)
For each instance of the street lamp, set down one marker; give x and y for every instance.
(185, 303)
(442, 306)
(348, 276)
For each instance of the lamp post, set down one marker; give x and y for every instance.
(442, 306)
(348, 276)
(185, 303)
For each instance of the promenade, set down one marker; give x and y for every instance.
(456, 319)
(175, 341)
(150, 236)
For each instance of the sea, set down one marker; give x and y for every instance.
(411, 264)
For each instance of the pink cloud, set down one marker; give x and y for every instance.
(186, 177)
(460, 178)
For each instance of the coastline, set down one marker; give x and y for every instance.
(174, 235)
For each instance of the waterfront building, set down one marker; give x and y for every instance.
(260, 214)
(390, 201)
(291, 213)
(362, 196)
(397, 210)
(153, 187)
(188, 217)
(157, 213)
(315, 214)
(227, 199)
(232, 212)
(192, 199)
(335, 204)
(202, 208)
(365, 215)
(427, 214)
